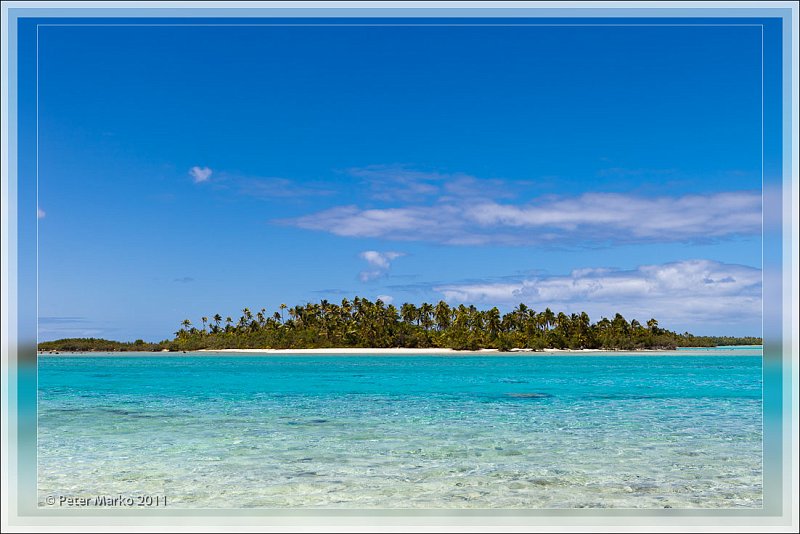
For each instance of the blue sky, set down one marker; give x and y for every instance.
(187, 171)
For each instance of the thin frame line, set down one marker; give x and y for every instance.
(433, 25)
(370, 25)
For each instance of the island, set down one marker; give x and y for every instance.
(361, 323)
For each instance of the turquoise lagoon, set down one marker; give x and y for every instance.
(679, 429)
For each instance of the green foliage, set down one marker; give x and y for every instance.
(362, 323)
(90, 344)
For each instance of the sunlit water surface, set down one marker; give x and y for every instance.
(680, 430)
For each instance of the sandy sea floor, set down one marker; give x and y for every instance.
(365, 431)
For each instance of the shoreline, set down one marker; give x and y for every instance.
(403, 351)
(685, 351)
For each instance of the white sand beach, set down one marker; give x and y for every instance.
(398, 351)
(352, 351)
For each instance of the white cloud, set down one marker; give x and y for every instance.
(200, 174)
(273, 187)
(684, 293)
(687, 217)
(398, 183)
(366, 276)
(381, 261)
(40, 213)
(592, 217)
(387, 299)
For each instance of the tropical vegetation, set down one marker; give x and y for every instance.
(362, 323)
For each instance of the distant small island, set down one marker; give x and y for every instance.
(361, 323)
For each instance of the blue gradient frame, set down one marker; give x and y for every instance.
(777, 241)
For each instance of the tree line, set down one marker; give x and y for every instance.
(362, 323)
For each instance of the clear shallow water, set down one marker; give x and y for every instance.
(211, 431)
(733, 349)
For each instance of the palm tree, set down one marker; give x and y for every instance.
(604, 332)
(442, 314)
(408, 312)
(562, 324)
(521, 315)
(582, 323)
(493, 322)
(244, 320)
(620, 324)
(548, 317)
(425, 313)
(296, 314)
(364, 323)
